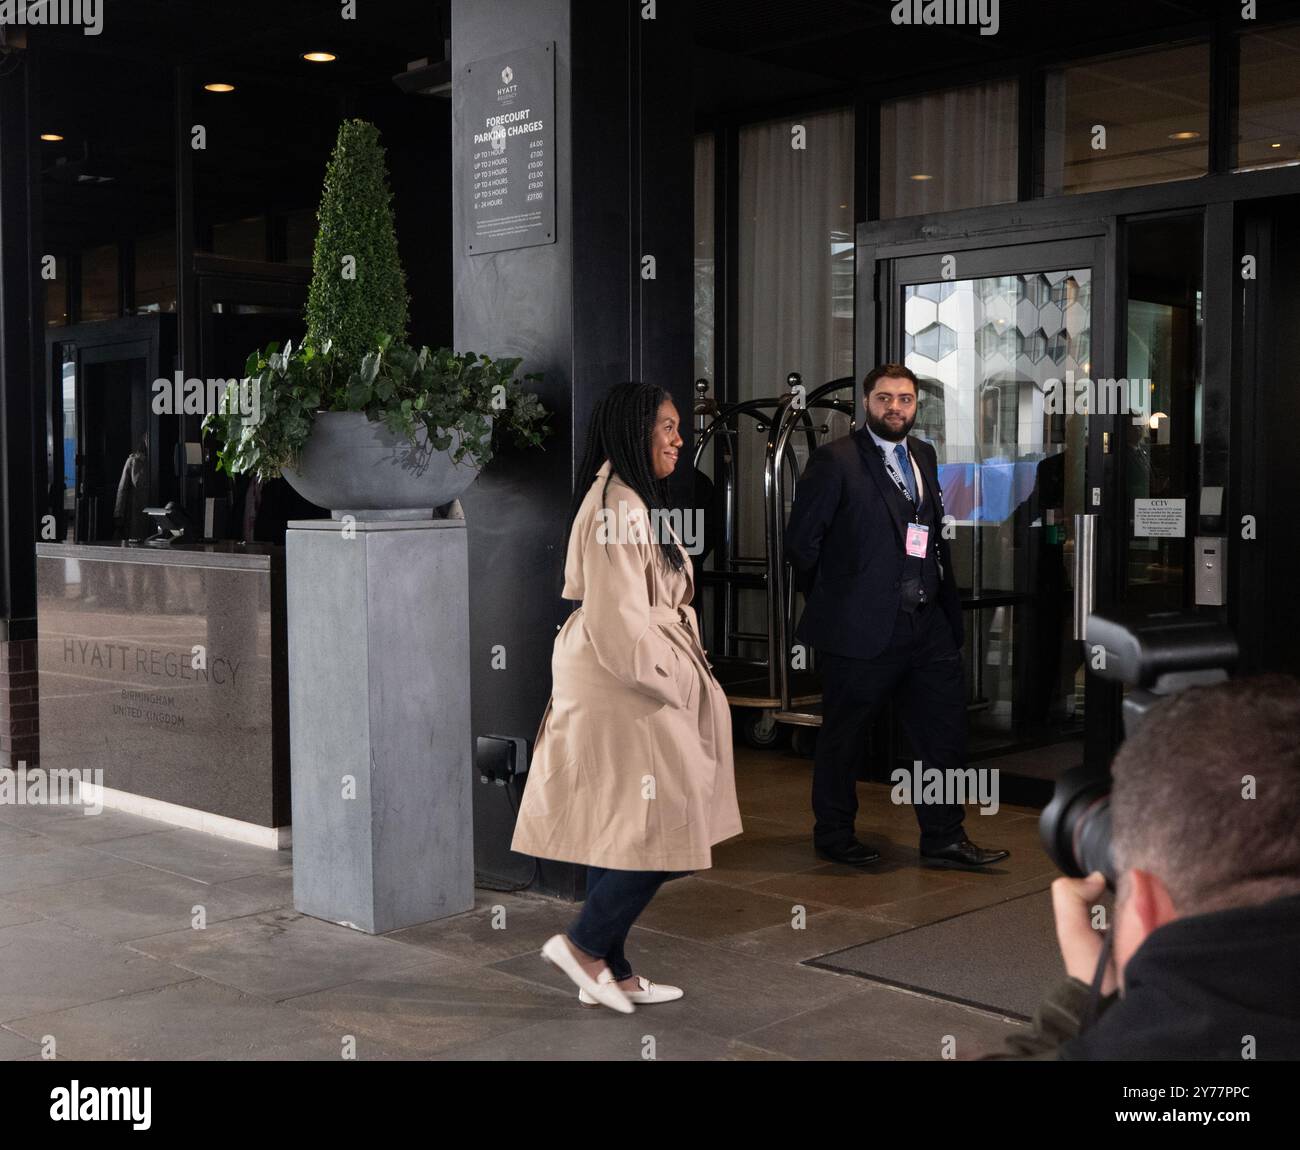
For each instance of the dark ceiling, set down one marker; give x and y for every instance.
(746, 52)
(843, 43)
(268, 36)
(788, 50)
(112, 96)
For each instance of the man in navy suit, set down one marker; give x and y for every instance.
(866, 541)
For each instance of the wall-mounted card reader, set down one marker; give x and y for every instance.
(1210, 556)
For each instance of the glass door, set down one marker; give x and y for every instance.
(1003, 342)
(112, 397)
(1161, 454)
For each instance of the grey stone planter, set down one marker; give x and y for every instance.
(355, 467)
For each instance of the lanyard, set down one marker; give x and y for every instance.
(898, 481)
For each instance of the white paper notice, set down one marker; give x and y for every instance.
(1166, 517)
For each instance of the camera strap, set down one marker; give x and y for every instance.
(1093, 1007)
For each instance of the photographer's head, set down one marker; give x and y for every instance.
(1205, 806)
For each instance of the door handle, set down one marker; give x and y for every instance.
(1085, 571)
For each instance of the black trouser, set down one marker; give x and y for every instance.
(615, 898)
(921, 669)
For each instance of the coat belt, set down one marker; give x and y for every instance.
(665, 614)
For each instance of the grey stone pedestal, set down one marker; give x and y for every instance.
(379, 720)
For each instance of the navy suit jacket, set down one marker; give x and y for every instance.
(845, 541)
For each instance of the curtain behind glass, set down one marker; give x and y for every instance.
(796, 209)
(947, 150)
(704, 277)
(795, 289)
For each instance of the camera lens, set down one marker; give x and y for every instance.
(1092, 840)
(1075, 825)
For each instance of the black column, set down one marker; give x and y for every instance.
(22, 470)
(577, 310)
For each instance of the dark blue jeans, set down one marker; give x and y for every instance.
(615, 898)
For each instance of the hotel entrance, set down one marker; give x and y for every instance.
(1065, 406)
(1050, 226)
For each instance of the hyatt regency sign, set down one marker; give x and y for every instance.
(508, 114)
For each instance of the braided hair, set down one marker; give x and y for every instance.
(620, 430)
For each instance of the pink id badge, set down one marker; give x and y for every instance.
(918, 535)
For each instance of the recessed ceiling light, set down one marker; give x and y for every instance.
(218, 87)
(1184, 135)
(1275, 145)
(920, 176)
(319, 57)
(52, 137)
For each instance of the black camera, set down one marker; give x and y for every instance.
(1157, 653)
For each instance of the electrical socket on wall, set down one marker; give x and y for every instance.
(500, 758)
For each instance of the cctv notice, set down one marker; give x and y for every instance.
(1160, 517)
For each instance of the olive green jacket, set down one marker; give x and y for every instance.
(1058, 1019)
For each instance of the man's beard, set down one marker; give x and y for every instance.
(885, 431)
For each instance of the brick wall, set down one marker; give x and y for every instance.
(19, 709)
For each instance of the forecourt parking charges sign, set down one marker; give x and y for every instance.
(509, 118)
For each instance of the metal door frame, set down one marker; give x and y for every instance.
(885, 269)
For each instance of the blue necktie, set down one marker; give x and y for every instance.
(905, 469)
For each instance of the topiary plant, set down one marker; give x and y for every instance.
(358, 289)
(355, 356)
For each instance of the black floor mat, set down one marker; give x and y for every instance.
(1002, 958)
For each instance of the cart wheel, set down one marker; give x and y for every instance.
(758, 728)
(803, 741)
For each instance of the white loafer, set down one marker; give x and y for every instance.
(649, 992)
(602, 990)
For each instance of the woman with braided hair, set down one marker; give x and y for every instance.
(632, 770)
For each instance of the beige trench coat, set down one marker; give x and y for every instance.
(632, 766)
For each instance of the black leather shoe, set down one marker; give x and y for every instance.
(963, 854)
(851, 853)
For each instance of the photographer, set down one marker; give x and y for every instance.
(1205, 812)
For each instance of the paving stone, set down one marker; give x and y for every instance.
(486, 935)
(884, 1023)
(194, 854)
(135, 904)
(192, 1019)
(50, 966)
(280, 954)
(40, 862)
(422, 1011)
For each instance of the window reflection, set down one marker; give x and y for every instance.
(99, 283)
(993, 356)
(1136, 119)
(1268, 99)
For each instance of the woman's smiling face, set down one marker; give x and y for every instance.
(665, 440)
